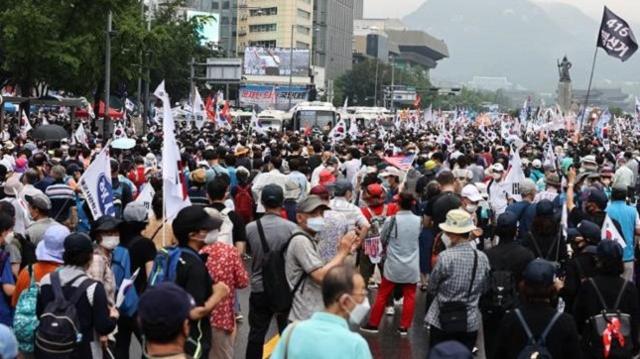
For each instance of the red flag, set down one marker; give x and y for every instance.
(226, 112)
(210, 108)
(417, 102)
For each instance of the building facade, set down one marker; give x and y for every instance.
(269, 23)
(358, 9)
(333, 36)
(226, 15)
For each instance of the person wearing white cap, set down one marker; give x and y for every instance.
(471, 198)
(392, 178)
(497, 193)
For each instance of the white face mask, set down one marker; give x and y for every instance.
(110, 242)
(497, 176)
(471, 208)
(358, 313)
(446, 240)
(316, 224)
(212, 236)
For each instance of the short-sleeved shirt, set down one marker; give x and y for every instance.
(40, 269)
(239, 233)
(6, 277)
(277, 231)
(302, 258)
(36, 230)
(141, 251)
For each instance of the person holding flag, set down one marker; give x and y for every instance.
(627, 217)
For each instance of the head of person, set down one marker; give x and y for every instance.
(618, 192)
(51, 246)
(391, 177)
(457, 226)
(471, 197)
(326, 177)
(586, 233)
(272, 197)
(242, 175)
(537, 281)
(38, 205)
(198, 177)
(58, 173)
(374, 195)
(192, 225)
(496, 171)
(406, 201)
(597, 200)
(507, 227)
(606, 176)
(527, 189)
(217, 189)
(106, 232)
(310, 214)
(446, 179)
(545, 222)
(344, 293)
(450, 349)
(163, 316)
(552, 180)
(78, 250)
(344, 189)
(136, 217)
(609, 258)
(6, 226)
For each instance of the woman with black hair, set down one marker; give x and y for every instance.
(545, 238)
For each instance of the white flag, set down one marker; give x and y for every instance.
(146, 195)
(95, 183)
(255, 124)
(80, 136)
(25, 125)
(353, 129)
(514, 176)
(174, 199)
(339, 131)
(199, 112)
(610, 232)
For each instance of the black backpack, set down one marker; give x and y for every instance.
(274, 280)
(536, 347)
(59, 333)
(622, 342)
(502, 294)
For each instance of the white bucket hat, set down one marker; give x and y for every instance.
(458, 222)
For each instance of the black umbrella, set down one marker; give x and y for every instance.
(50, 133)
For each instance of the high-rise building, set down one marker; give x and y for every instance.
(269, 23)
(358, 9)
(333, 36)
(225, 13)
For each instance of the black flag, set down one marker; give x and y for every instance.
(616, 37)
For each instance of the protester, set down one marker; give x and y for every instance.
(39, 206)
(627, 217)
(326, 334)
(7, 282)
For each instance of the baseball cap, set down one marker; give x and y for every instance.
(589, 231)
(38, 200)
(471, 192)
(544, 208)
(598, 197)
(272, 196)
(497, 167)
(392, 171)
(375, 190)
(192, 219)
(311, 203)
(78, 242)
(539, 271)
(609, 249)
(163, 309)
(536, 163)
(136, 212)
(507, 220)
(106, 223)
(341, 187)
(450, 349)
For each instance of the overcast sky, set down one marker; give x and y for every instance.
(626, 8)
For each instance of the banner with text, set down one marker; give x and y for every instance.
(616, 37)
(273, 97)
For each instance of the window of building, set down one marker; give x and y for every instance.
(225, 5)
(305, 30)
(215, 5)
(263, 43)
(304, 14)
(306, 1)
(267, 11)
(301, 45)
(262, 28)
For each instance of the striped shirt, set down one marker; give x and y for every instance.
(62, 199)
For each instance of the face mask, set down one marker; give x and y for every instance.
(110, 242)
(315, 224)
(497, 176)
(212, 236)
(446, 240)
(358, 312)
(471, 208)
(606, 182)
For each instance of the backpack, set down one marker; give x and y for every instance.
(536, 347)
(502, 294)
(59, 331)
(372, 242)
(165, 265)
(117, 200)
(612, 325)
(25, 319)
(121, 268)
(27, 250)
(274, 279)
(244, 203)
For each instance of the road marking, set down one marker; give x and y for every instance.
(270, 346)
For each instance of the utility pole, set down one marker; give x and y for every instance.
(107, 81)
(291, 67)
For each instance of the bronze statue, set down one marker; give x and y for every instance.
(563, 70)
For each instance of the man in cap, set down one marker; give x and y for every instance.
(497, 193)
(39, 206)
(392, 177)
(304, 268)
(536, 170)
(163, 314)
(271, 175)
(191, 227)
(342, 203)
(595, 204)
(524, 210)
(61, 195)
(583, 240)
(330, 163)
(551, 189)
(539, 314)
(276, 231)
(12, 189)
(627, 217)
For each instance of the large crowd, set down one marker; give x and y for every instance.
(521, 235)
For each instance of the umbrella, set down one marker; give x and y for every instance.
(124, 143)
(50, 133)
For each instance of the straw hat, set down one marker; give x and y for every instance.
(458, 222)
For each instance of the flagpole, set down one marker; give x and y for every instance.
(586, 101)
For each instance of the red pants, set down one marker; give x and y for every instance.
(408, 305)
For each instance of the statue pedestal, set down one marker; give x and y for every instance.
(565, 95)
